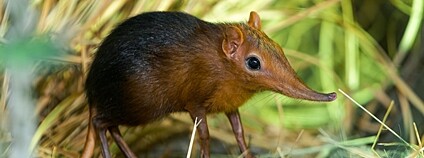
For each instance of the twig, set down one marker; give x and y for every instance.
(193, 134)
(375, 118)
(381, 128)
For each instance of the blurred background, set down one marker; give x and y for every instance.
(371, 49)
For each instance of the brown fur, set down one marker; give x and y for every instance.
(163, 62)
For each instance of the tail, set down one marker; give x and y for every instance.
(90, 140)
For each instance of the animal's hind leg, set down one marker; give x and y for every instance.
(101, 132)
(117, 136)
(90, 140)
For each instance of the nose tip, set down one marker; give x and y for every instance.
(332, 96)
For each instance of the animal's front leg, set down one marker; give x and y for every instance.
(235, 121)
(202, 130)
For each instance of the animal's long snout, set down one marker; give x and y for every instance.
(297, 89)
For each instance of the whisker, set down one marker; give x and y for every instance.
(265, 99)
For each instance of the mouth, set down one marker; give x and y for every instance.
(322, 97)
(314, 96)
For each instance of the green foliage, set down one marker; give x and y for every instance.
(24, 52)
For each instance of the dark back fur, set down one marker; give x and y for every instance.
(153, 64)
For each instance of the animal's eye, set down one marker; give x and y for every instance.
(253, 63)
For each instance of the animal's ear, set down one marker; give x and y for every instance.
(232, 41)
(254, 20)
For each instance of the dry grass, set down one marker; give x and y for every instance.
(339, 54)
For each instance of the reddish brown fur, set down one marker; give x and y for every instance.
(163, 62)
